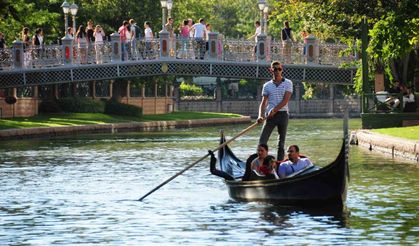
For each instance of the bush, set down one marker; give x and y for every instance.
(190, 90)
(81, 105)
(117, 108)
(49, 106)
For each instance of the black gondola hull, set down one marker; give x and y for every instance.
(324, 187)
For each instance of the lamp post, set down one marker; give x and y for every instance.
(265, 17)
(169, 8)
(66, 9)
(163, 7)
(73, 10)
(261, 6)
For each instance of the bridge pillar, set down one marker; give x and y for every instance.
(18, 54)
(312, 49)
(212, 45)
(260, 50)
(67, 46)
(164, 44)
(332, 98)
(259, 89)
(297, 90)
(116, 47)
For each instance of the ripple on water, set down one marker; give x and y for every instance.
(85, 192)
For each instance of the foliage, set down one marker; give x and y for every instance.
(190, 90)
(116, 108)
(81, 105)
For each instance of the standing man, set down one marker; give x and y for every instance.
(200, 32)
(274, 106)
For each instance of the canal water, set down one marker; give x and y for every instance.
(84, 190)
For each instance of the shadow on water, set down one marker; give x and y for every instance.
(279, 215)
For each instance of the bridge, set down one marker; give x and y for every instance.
(38, 70)
(227, 58)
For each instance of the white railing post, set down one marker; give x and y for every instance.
(212, 45)
(67, 50)
(260, 50)
(312, 49)
(18, 54)
(164, 44)
(116, 47)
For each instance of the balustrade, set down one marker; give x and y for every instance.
(217, 49)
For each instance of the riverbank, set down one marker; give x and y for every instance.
(394, 147)
(47, 132)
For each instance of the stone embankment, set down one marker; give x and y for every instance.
(388, 145)
(47, 132)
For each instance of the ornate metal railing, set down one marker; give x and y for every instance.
(230, 50)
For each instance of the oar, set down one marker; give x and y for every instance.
(202, 158)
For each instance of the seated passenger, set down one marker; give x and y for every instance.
(294, 162)
(268, 167)
(262, 152)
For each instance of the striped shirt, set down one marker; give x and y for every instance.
(275, 94)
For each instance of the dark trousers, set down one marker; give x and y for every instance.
(280, 120)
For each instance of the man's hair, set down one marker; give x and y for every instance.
(275, 63)
(201, 20)
(295, 147)
(265, 146)
(257, 22)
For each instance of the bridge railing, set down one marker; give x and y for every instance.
(221, 49)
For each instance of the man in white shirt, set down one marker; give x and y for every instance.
(294, 164)
(276, 94)
(200, 32)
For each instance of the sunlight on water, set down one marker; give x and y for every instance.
(84, 191)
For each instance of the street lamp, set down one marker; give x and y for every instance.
(66, 9)
(265, 17)
(261, 6)
(169, 8)
(163, 6)
(73, 10)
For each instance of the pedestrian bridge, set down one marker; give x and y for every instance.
(221, 57)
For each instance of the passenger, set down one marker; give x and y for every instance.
(215, 171)
(262, 152)
(294, 163)
(268, 167)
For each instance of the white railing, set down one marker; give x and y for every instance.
(231, 50)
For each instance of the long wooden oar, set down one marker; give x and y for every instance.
(202, 158)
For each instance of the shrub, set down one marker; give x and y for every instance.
(49, 106)
(81, 105)
(190, 90)
(117, 108)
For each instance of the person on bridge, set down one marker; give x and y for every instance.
(274, 106)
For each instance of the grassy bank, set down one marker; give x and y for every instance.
(411, 132)
(74, 119)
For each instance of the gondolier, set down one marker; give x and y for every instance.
(274, 107)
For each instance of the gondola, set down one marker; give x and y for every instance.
(312, 187)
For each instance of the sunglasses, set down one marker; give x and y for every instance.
(277, 69)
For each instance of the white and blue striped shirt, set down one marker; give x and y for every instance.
(275, 93)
